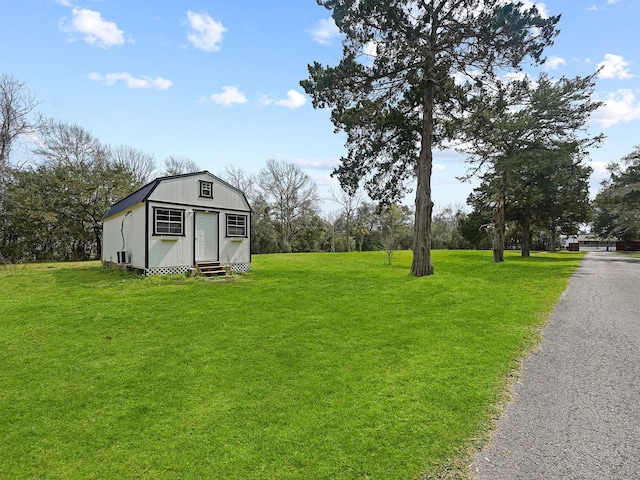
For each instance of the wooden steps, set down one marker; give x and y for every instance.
(211, 269)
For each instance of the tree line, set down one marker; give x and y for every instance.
(287, 216)
(530, 161)
(53, 195)
(415, 76)
(55, 191)
(52, 204)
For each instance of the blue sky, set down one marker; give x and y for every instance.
(218, 81)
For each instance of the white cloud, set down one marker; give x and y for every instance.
(515, 76)
(111, 79)
(542, 8)
(317, 164)
(614, 66)
(621, 106)
(599, 169)
(64, 3)
(205, 33)
(324, 32)
(370, 49)
(599, 174)
(265, 100)
(95, 29)
(294, 100)
(596, 8)
(324, 179)
(229, 96)
(553, 63)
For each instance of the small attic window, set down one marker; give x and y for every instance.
(206, 189)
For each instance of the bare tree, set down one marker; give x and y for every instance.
(395, 224)
(332, 219)
(64, 144)
(138, 164)
(350, 202)
(390, 224)
(177, 165)
(291, 192)
(16, 105)
(242, 180)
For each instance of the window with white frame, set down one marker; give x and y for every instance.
(206, 189)
(236, 225)
(168, 221)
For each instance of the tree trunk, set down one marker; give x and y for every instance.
(498, 231)
(526, 233)
(348, 234)
(422, 265)
(333, 238)
(98, 235)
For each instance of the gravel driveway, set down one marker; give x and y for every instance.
(576, 411)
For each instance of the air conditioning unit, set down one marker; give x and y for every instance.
(124, 257)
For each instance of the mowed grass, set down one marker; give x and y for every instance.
(314, 366)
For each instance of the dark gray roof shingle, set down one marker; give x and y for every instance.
(135, 198)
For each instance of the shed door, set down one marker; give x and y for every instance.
(206, 236)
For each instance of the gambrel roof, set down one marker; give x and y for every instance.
(143, 193)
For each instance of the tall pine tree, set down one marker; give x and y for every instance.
(401, 85)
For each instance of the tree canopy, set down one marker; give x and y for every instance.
(402, 84)
(527, 142)
(55, 208)
(292, 194)
(618, 202)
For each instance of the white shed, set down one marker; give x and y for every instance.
(177, 223)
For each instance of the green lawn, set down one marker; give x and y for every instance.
(314, 366)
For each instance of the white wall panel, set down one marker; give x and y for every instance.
(186, 190)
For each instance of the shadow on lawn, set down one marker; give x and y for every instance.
(514, 256)
(622, 257)
(87, 275)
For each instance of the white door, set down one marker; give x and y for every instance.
(206, 236)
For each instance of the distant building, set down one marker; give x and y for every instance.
(589, 242)
(178, 223)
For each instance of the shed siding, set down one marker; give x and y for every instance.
(171, 251)
(111, 239)
(132, 227)
(135, 236)
(186, 191)
(236, 251)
